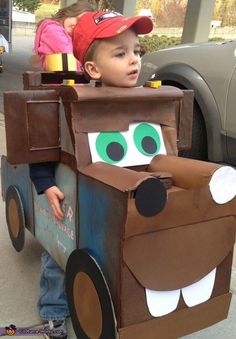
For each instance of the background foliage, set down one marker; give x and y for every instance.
(28, 5)
(166, 13)
(171, 13)
(103, 4)
(151, 43)
(225, 11)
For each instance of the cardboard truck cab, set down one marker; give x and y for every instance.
(147, 239)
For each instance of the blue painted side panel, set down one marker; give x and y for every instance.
(58, 237)
(102, 215)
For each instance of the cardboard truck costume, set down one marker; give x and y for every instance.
(147, 240)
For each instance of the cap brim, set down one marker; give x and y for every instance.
(142, 24)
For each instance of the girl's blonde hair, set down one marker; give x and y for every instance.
(71, 11)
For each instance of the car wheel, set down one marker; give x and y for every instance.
(198, 148)
(89, 300)
(15, 218)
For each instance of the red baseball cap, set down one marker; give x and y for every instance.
(99, 25)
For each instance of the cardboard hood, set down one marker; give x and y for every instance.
(120, 178)
(175, 213)
(187, 173)
(174, 258)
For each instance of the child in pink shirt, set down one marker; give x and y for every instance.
(54, 35)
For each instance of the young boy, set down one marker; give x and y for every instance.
(108, 48)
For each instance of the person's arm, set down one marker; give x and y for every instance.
(42, 176)
(55, 196)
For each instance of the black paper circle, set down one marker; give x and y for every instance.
(150, 197)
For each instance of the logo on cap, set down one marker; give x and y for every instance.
(105, 16)
(121, 29)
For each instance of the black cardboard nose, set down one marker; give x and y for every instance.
(150, 197)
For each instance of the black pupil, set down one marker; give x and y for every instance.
(149, 145)
(115, 151)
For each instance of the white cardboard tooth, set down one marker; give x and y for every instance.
(162, 302)
(200, 291)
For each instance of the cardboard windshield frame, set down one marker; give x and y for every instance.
(85, 103)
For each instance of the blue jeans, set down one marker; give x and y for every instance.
(52, 304)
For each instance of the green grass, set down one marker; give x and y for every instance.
(154, 42)
(45, 11)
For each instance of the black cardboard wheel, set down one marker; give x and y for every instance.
(15, 218)
(89, 299)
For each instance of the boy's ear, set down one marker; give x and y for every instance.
(92, 70)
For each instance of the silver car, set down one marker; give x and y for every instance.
(210, 70)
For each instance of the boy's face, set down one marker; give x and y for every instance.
(116, 61)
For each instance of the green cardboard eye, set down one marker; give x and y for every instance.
(111, 146)
(147, 139)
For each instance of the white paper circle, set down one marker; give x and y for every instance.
(223, 184)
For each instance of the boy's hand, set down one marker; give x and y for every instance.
(55, 196)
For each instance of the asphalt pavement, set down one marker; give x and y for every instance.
(14, 64)
(19, 272)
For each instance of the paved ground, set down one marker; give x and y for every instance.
(19, 280)
(14, 64)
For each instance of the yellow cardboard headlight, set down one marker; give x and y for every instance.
(60, 62)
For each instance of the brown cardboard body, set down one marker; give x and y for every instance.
(183, 246)
(132, 241)
(32, 120)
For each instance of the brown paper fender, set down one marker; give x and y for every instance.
(187, 173)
